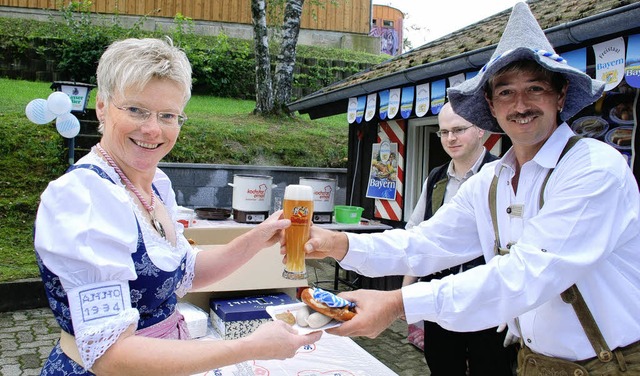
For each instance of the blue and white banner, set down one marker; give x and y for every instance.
(422, 99)
(577, 58)
(352, 108)
(610, 62)
(372, 106)
(437, 96)
(632, 68)
(471, 75)
(360, 111)
(384, 104)
(394, 102)
(407, 102)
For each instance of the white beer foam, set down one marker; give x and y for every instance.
(298, 192)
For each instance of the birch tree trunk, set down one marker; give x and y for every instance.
(264, 89)
(287, 57)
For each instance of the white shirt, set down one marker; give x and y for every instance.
(588, 233)
(453, 185)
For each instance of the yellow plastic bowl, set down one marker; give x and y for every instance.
(347, 214)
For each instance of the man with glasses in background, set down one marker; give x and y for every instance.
(448, 352)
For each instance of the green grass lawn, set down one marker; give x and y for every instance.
(219, 130)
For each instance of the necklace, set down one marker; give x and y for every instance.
(150, 207)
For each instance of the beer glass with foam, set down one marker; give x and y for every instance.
(298, 207)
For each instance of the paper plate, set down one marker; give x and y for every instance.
(293, 308)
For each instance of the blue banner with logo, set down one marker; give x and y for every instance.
(360, 109)
(406, 102)
(632, 69)
(384, 104)
(437, 96)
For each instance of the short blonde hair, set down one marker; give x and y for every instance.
(132, 63)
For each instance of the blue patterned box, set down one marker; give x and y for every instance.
(238, 317)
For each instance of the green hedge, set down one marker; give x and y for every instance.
(222, 66)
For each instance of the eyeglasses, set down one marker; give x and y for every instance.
(141, 114)
(455, 131)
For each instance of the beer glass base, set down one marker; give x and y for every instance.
(294, 275)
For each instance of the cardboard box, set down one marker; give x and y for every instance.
(238, 317)
(195, 318)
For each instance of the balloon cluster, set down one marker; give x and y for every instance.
(57, 106)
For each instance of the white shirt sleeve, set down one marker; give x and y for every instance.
(85, 230)
(85, 234)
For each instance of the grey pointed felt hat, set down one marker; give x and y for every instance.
(522, 39)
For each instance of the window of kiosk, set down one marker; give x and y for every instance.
(424, 152)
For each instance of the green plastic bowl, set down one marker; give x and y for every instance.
(347, 214)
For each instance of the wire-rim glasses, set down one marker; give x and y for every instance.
(455, 131)
(141, 114)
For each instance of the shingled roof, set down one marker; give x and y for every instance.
(566, 23)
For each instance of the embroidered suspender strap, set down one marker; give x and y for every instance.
(572, 295)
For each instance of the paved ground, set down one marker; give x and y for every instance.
(27, 336)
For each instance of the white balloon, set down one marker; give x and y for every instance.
(38, 112)
(59, 103)
(68, 125)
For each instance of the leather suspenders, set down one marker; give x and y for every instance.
(571, 295)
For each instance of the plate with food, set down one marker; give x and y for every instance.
(315, 312)
(622, 114)
(590, 126)
(620, 137)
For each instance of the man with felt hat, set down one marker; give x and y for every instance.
(557, 220)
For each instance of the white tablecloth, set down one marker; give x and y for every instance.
(330, 356)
